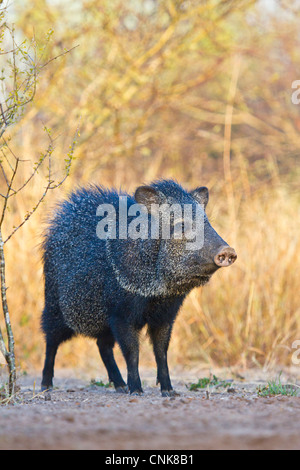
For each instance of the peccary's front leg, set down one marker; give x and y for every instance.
(128, 339)
(105, 343)
(160, 337)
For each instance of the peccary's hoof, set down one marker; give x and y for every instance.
(122, 389)
(46, 388)
(169, 393)
(136, 393)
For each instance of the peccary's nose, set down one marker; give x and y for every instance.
(225, 257)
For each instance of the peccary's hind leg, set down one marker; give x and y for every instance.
(48, 371)
(56, 332)
(105, 344)
(160, 338)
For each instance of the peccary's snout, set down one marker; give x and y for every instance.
(226, 256)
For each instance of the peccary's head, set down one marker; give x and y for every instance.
(177, 249)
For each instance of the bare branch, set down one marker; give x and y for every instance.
(4, 173)
(5, 156)
(2, 113)
(8, 354)
(9, 189)
(29, 214)
(56, 57)
(38, 165)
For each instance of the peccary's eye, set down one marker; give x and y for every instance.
(178, 226)
(181, 228)
(187, 226)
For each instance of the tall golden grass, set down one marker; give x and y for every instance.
(250, 314)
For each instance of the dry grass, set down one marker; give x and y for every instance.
(250, 314)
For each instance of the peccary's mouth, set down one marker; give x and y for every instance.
(193, 281)
(204, 271)
(202, 279)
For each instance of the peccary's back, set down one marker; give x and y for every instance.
(77, 274)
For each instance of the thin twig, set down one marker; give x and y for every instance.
(8, 162)
(39, 164)
(3, 115)
(8, 192)
(29, 214)
(56, 57)
(4, 174)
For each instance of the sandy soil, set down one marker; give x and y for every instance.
(84, 416)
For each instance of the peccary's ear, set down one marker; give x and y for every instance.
(147, 195)
(201, 195)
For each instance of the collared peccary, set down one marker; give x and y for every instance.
(110, 287)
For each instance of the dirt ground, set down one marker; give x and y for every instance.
(84, 416)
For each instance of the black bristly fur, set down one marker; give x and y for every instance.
(110, 290)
